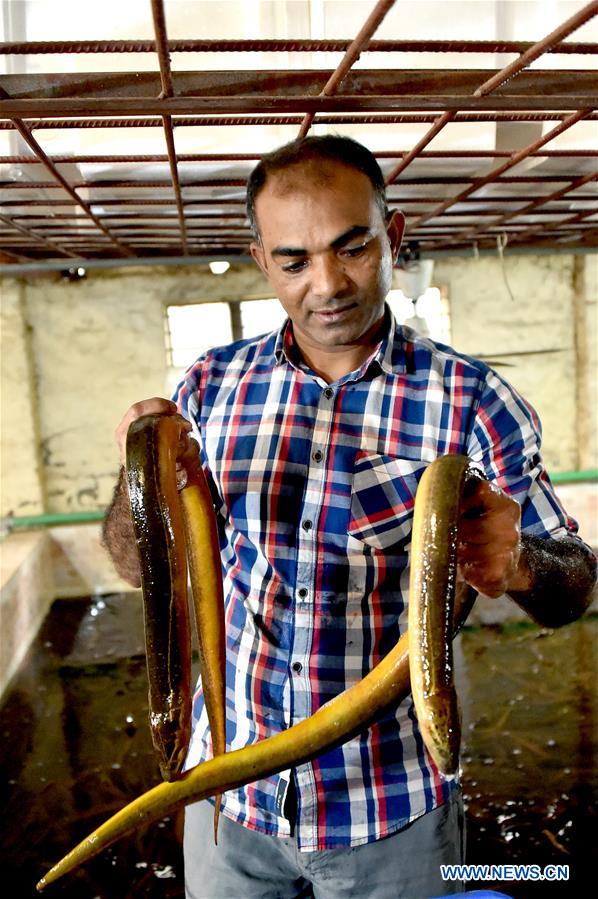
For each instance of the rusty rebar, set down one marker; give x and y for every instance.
(525, 210)
(351, 56)
(162, 47)
(438, 125)
(571, 24)
(28, 137)
(547, 226)
(25, 133)
(509, 71)
(408, 118)
(400, 201)
(98, 200)
(168, 91)
(227, 230)
(39, 238)
(169, 135)
(248, 157)
(288, 45)
(512, 161)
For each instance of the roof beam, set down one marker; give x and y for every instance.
(56, 107)
(273, 82)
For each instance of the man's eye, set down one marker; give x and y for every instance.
(355, 251)
(293, 267)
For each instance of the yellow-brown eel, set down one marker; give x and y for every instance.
(203, 555)
(430, 617)
(334, 723)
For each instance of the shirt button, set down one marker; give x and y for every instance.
(317, 456)
(307, 525)
(303, 592)
(297, 666)
(329, 393)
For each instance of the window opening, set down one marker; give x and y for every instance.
(193, 328)
(428, 314)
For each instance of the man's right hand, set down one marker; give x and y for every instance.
(187, 451)
(117, 533)
(157, 404)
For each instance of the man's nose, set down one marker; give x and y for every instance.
(328, 277)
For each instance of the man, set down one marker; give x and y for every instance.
(313, 440)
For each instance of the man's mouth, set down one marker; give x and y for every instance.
(331, 316)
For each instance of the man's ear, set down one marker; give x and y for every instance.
(259, 256)
(395, 226)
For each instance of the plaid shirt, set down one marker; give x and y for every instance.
(314, 487)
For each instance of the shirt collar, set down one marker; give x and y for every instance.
(388, 355)
(285, 348)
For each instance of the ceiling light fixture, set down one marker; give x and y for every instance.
(219, 266)
(74, 274)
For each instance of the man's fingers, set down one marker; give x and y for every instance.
(481, 496)
(490, 583)
(181, 476)
(480, 533)
(488, 569)
(489, 538)
(154, 405)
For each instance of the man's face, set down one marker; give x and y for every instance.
(327, 252)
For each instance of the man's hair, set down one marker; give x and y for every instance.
(327, 147)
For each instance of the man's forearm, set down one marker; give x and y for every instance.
(118, 536)
(555, 580)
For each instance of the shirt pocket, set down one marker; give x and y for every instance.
(382, 498)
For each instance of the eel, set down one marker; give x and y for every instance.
(429, 619)
(205, 567)
(158, 526)
(343, 717)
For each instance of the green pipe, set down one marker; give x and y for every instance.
(571, 477)
(48, 519)
(63, 265)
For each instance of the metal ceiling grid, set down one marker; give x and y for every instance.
(192, 204)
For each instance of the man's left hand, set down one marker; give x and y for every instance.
(489, 544)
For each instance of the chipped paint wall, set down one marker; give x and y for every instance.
(531, 337)
(589, 453)
(75, 355)
(95, 345)
(21, 477)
